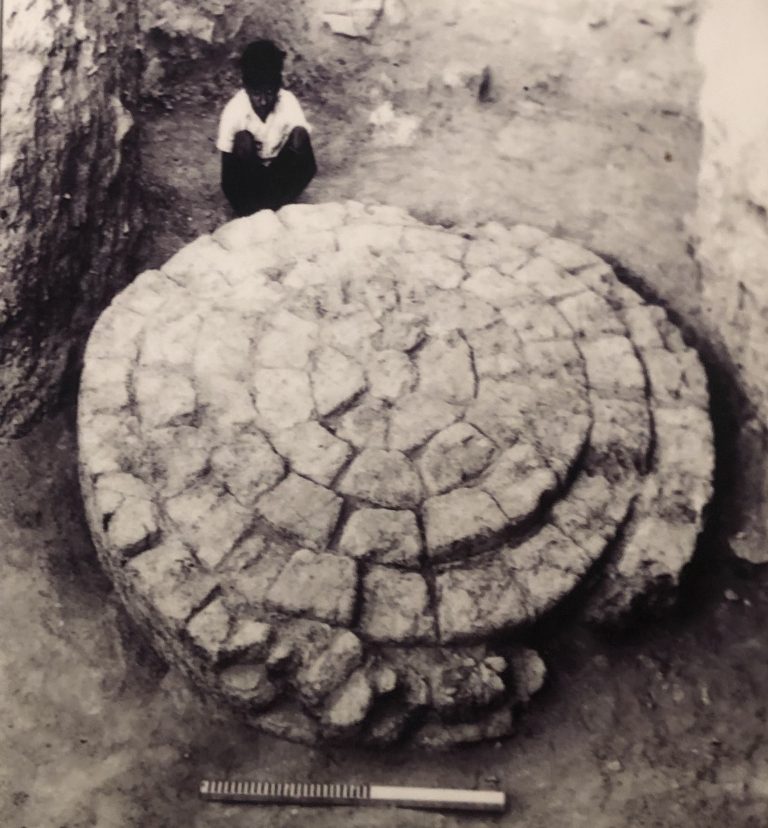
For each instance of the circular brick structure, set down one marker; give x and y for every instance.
(339, 463)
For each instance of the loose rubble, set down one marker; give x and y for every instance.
(330, 454)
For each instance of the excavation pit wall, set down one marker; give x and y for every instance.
(70, 177)
(332, 456)
(69, 189)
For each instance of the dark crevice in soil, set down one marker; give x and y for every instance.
(357, 606)
(426, 567)
(347, 508)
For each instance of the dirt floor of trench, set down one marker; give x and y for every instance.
(592, 133)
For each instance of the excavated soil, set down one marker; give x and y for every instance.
(592, 134)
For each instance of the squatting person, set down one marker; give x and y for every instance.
(263, 137)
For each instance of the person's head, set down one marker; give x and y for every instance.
(261, 67)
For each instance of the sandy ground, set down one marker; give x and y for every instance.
(592, 132)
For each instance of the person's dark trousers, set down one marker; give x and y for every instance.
(251, 185)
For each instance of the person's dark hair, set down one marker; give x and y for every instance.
(261, 64)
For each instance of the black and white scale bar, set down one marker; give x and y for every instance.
(309, 793)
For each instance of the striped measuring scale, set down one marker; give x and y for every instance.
(310, 793)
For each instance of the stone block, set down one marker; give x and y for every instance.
(312, 451)
(171, 344)
(613, 369)
(302, 509)
(209, 628)
(438, 735)
(258, 293)
(454, 456)
(646, 569)
(529, 673)
(401, 332)
(251, 569)
(330, 668)
(483, 253)
(208, 520)
(351, 334)
(242, 233)
(445, 370)
(592, 512)
(248, 684)
(365, 426)
(109, 442)
(391, 375)
(181, 455)
(499, 411)
(104, 386)
(676, 378)
(396, 606)
(429, 267)
(453, 311)
(133, 527)
(318, 585)
(383, 478)
(519, 481)
(382, 535)
(545, 278)
(283, 397)
(643, 325)
(171, 582)
(464, 683)
(477, 600)
(567, 254)
(247, 467)
(525, 236)
(125, 506)
(497, 352)
(536, 322)
(288, 342)
(553, 358)
(248, 639)
(590, 315)
(365, 238)
(620, 439)
(424, 239)
(312, 217)
(336, 380)
(222, 350)
(164, 399)
(226, 404)
(387, 213)
(287, 721)
(306, 274)
(561, 437)
(416, 417)
(349, 705)
(496, 289)
(460, 519)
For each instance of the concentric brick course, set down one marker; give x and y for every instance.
(330, 454)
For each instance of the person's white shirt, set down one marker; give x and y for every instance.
(238, 115)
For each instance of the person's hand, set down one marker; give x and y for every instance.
(245, 146)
